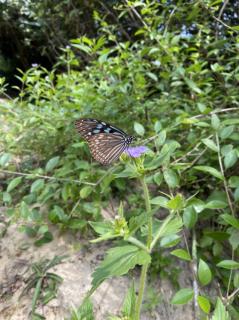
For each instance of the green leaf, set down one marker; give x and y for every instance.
(47, 237)
(210, 144)
(226, 132)
(216, 204)
(128, 308)
(37, 185)
(204, 304)
(190, 217)
(158, 178)
(234, 181)
(157, 126)
(160, 201)
(5, 158)
(176, 203)
(215, 122)
(214, 172)
(182, 254)
(192, 85)
(171, 178)
(85, 311)
(204, 273)
(228, 264)
(52, 163)
(231, 220)
(102, 227)
(230, 158)
(85, 192)
(119, 261)
(14, 183)
(236, 194)
(220, 312)
(6, 197)
(161, 138)
(139, 129)
(182, 296)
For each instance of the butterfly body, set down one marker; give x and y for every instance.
(106, 142)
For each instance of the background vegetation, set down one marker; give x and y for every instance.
(167, 69)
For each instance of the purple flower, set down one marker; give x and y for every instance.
(136, 152)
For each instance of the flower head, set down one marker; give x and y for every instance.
(135, 152)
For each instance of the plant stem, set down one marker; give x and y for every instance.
(143, 276)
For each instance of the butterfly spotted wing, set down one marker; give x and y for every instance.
(106, 142)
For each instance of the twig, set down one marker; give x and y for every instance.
(214, 112)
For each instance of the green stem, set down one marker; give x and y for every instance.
(143, 276)
(142, 282)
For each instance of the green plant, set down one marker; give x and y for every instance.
(44, 283)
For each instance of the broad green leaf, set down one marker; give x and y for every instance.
(47, 237)
(215, 122)
(210, 144)
(52, 163)
(204, 273)
(157, 126)
(170, 241)
(101, 227)
(119, 261)
(5, 158)
(220, 312)
(139, 129)
(158, 178)
(228, 264)
(161, 201)
(230, 159)
(161, 138)
(216, 204)
(226, 132)
(14, 183)
(176, 203)
(171, 178)
(231, 220)
(236, 194)
(85, 192)
(182, 254)
(6, 197)
(234, 181)
(37, 185)
(190, 217)
(25, 211)
(214, 172)
(182, 296)
(234, 238)
(204, 304)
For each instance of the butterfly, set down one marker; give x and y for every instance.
(106, 142)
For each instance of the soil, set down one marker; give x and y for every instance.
(17, 253)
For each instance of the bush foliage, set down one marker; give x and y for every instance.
(174, 81)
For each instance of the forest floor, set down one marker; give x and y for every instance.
(18, 253)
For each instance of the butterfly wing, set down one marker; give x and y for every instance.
(106, 148)
(106, 142)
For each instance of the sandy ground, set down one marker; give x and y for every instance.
(17, 253)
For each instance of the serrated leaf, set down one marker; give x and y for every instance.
(210, 144)
(176, 203)
(204, 304)
(119, 261)
(128, 308)
(37, 185)
(182, 254)
(182, 296)
(204, 273)
(14, 183)
(139, 129)
(52, 163)
(214, 172)
(171, 178)
(228, 264)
